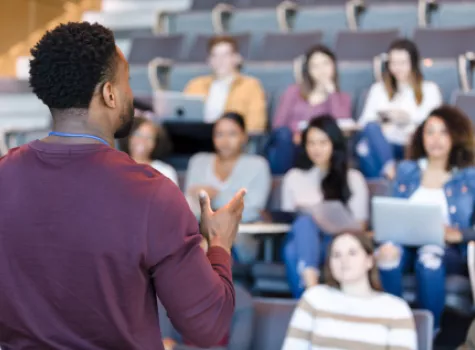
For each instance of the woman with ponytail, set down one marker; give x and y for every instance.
(322, 175)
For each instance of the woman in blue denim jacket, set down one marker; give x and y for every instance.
(440, 170)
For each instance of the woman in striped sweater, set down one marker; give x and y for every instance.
(350, 312)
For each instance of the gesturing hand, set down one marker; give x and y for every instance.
(222, 225)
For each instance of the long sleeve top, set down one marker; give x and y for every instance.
(301, 189)
(294, 109)
(326, 318)
(88, 240)
(378, 101)
(245, 96)
(250, 172)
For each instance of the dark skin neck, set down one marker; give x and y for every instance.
(78, 121)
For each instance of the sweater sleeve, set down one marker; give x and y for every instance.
(340, 105)
(299, 333)
(402, 332)
(282, 116)
(258, 191)
(256, 112)
(196, 290)
(287, 200)
(359, 200)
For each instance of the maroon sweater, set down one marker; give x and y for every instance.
(88, 240)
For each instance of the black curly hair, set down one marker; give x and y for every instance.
(70, 61)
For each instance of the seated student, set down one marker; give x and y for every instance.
(324, 175)
(226, 89)
(440, 170)
(393, 109)
(317, 94)
(350, 311)
(240, 335)
(148, 143)
(222, 173)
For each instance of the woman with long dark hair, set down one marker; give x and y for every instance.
(323, 175)
(349, 311)
(317, 93)
(393, 110)
(440, 170)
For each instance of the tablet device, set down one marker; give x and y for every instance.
(333, 217)
(407, 223)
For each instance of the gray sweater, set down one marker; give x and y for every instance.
(250, 172)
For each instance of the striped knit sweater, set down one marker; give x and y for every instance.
(327, 319)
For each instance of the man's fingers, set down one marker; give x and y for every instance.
(237, 201)
(205, 203)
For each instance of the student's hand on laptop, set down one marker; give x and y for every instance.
(221, 226)
(452, 235)
(388, 252)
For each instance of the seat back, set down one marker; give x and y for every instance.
(200, 5)
(466, 102)
(181, 74)
(274, 203)
(286, 47)
(271, 320)
(444, 43)
(363, 46)
(452, 14)
(145, 49)
(329, 17)
(444, 72)
(425, 329)
(379, 15)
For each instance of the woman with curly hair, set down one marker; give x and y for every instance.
(439, 170)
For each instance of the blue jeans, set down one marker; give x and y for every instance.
(374, 151)
(281, 150)
(430, 265)
(306, 246)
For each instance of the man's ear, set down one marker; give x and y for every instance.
(108, 95)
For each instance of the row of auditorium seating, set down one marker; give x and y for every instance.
(272, 317)
(270, 58)
(278, 47)
(24, 118)
(261, 16)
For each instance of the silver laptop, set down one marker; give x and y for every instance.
(404, 222)
(178, 107)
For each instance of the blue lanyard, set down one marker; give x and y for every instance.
(87, 136)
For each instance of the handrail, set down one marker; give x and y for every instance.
(284, 10)
(465, 65)
(217, 17)
(162, 26)
(352, 8)
(153, 66)
(378, 62)
(423, 9)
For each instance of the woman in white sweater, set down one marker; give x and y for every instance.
(350, 311)
(393, 110)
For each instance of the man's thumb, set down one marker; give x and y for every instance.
(205, 203)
